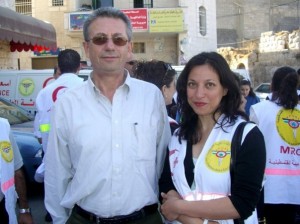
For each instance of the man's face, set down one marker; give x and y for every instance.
(111, 48)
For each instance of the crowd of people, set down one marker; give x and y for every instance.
(113, 153)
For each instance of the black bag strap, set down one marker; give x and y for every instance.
(235, 146)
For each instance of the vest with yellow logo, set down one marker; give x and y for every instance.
(211, 173)
(7, 171)
(281, 129)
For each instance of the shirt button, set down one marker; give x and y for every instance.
(117, 145)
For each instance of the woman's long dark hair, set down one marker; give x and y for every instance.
(157, 72)
(229, 105)
(284, 87)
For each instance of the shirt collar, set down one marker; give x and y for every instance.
(127, 83)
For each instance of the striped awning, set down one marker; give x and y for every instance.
(25, 31)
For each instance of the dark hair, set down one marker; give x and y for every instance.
(246, 82)
(238, 78)
(298, 72)
(107, 12)
(229, 105)
(284, 87)
(159, 73)
(55, 69)
(68, 61)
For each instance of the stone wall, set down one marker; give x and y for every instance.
(284, 40)
(273, 50)
(8, 60)
(248, 19)
(267, 63)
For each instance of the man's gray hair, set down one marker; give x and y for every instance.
(107, 12)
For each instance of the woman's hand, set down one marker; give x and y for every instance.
(171, 193)
(169, 208)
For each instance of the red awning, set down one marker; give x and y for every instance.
(25, 32)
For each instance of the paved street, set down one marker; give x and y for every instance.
(36, 202)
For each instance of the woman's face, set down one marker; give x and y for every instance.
(245, 90)
(204, 90)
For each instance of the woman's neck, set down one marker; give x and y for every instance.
(206, 123)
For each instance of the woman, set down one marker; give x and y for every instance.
(278, 119)
(163, 76)
(196, 184)
(248, 93)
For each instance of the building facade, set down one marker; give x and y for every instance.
(172, 31)
(241, 21)
(259, 35)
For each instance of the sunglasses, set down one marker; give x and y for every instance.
(117, 40)
(168, 68)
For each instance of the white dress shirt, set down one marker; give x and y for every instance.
(106, 157)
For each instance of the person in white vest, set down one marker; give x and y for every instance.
(37, 132)
(196, 184)
(12, 180)
(279, 120)
(69, 66)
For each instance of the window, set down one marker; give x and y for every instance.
(202, 20)
(143, 4)
(102, 3)
(57, 2)
(138, 47)
(24, 7)
(107, 3)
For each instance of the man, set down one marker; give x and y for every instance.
(68, 67)
(65, 78)
(37, 133)
(109, 136)
(12, 179)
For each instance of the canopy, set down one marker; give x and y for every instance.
(25, 31)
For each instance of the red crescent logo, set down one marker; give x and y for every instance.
(55, 92)
(46, 81)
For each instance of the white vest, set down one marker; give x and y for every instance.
(48, 96)
(44, 102)
(281, 130)
(211, 173)
(7, 171)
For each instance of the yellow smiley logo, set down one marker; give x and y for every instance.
(26, 87)
(218, 157)
(287, 123)
(6, 151)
